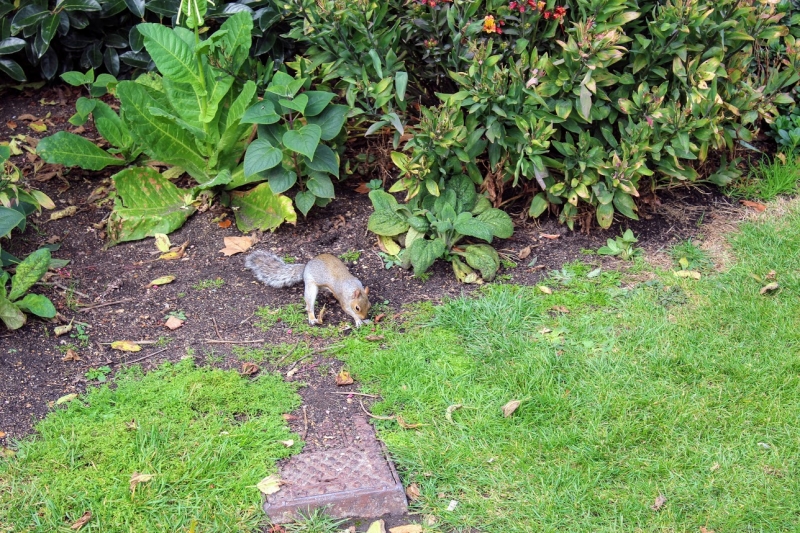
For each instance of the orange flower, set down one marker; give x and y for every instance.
(489, 25)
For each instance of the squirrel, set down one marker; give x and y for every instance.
(325, 270)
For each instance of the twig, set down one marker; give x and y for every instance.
(106, 304)
(214, 320)
(247, 319)
(282, 359)
(296, 362)
(146, 356)
(134, 342)
(62, 287)
(356, 394)
(374, 416)
(222, 341)
(305, 422)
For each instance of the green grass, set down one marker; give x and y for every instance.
(207, 437)
(767, 181)
(685, 388)
(209, 284)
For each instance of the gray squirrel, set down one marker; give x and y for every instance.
(325, 270)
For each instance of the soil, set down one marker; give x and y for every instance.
(33, 369)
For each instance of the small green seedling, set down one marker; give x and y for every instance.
(350, 256)
(98, 374)
(209, 284)
(621, 246)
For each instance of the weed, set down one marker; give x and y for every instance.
(621, 246)
(507, 263)
(179, 314)
(767, 180)
(209, 284)
(688, 256)
(351, 256)
(288, 259)
(98, 374)
(423, 276)
(283, 354)
(80, 334)
(181, 295)
(163, 341)
(212, 357)
(390, 261)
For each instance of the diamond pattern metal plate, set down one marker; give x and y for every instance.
(355, 481)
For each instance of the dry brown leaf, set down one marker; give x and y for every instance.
(2, 434)
(755, 205)
(413, 492)
(71, 355)
(137, 478)
(545, 289)
(379, 317)
(225, 224)
(78, 131)
(409, 528)
(132, 425)
(449, 413)
(525, 252)
(362, 188)
(288, 417)
(405, 425)
(66, 212)
(236, 245)
(771, 275)
(560, 309)
(80, 522)
(510, 407)
(430, 520)
(28, 117)
(374, 338)
(11, 125)
(270, 484)
(126, 346)
(704, 529)
(769, 287)
(344, 378)
(173, 323)
(659, 503)
(551, 236)
(248, 368)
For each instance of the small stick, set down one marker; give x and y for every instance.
(305, 422)
(356, 394)
(374, 416)
(214, 320)
(62, 287)
(282, 359)
(247, 319)
(134, 342)
(222, 341)
(146, 356)
(115, 302)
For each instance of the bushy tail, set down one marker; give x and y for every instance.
(270, 269)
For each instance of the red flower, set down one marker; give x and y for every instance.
(548, 14)
(559, 13)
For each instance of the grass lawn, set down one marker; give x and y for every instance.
(631, 387)
(206, 437)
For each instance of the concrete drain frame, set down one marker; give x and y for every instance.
(355, 481)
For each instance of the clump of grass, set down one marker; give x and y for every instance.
(689, 256)
(206, 436)
(294, 317)
(622, 398)
(283, 353)
(767, 180)
(208, 284)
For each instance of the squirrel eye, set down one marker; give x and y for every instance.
(358, 309)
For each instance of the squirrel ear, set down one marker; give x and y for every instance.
(366, 291)
(356, 293)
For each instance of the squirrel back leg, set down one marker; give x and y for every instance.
(310, 295)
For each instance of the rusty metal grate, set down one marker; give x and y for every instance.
(356, 481)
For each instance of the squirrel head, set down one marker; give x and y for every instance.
(360, 302)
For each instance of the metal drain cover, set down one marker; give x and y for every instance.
(358, 480)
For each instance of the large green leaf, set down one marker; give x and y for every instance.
(28, 16)
(303, 140)
(147, 203)
(75, 151)
(218, 83)
(320, 185)
(387, 223)
(12, 69)
(110, 125)
(424, 252)
(382, 201)
(281, 179)
(484, 258)
(305, 200)
(330, 120)
(12, 317)
(538, 205)
(605, 215)
(47, 28)
(262, 112)
(261, 156)
(79, 5)
(172, 56)
(236, 40)
(261, 209)
(11, 45)
(159, 138)
(317, 101)
(9, 219)
(38, 305)
(29, 272)
(325, 160)
(466, 224)
(501, 224)
(625, 205)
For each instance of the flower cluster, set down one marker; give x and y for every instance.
(433, 3)
(490, 25)
(534, 5)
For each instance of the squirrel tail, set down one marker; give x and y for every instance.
(270, 269)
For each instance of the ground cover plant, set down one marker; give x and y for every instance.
(608, 402)
(179, 449)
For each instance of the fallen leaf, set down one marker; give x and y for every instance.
(11, 125)
(769, 287)
(388, 245)
(2, 434)
(405, 425)
(374, 338)
(379, 526)
(544, 331)
(62, 330)
(162, 242)
(452, 506)
(248, 368)
(379, 317)
(704, 529)
(163, 280)
(62, 213)
(66, 398)
(659, 503)
(525, 252)
(545, 289)
(176, 252)
(510, 407)
(344, 378)
(410, 528)
(173, 323)
(413, 492)
(225, 224)
(71, 355)
(771, 274)
(288, 443)
(288, 417)
(755, 205)
(236, 245)
(687, 274)
(80, 522)
(38, 126)
(551, 236)
(270, 484)
(28, 117)
(126, 346)
(430, 520)
(362, 188)
(137, 478)
(560, 309)
(131, 425)
(594, 273)
(449, 413)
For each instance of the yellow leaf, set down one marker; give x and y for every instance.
(409, 528)
(162, 242)
(388, 245)
(688, 274)
(66, 212)
(237, 245)
(125, 346)
(38, 126)
(379, 526)
(62, 330)
(545, 289)
(66, 398)
(270, 484)
(163, 280)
